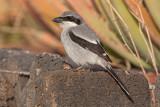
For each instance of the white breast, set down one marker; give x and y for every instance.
(78, 54)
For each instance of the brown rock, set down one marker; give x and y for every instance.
(13, 63)
(49, 85)
(157, 92)
(52, 86)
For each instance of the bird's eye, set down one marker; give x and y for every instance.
(68, 17)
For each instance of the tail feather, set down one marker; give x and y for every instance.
(120, 83)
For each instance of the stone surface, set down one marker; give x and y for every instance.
(16, 59)
(50, 85)
(69, 88)
(12, 61)
(157, 92)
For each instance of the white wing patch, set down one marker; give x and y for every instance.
(92, 41)
(87, 39)
(104, 54)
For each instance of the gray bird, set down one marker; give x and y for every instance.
(83, 46)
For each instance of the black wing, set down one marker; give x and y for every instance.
(96, 48)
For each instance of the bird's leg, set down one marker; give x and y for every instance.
(67, 66)
(83, 68)
(79, 68)
(87, 68)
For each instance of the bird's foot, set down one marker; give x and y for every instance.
(79, 68)
(83, 68)
(67, 66)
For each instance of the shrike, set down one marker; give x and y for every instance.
(83, 46)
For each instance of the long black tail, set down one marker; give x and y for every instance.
(114, 75)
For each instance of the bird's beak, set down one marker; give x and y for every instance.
(57, 19)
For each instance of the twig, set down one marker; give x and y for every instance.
(26, 73)
(134, 46)
(150, 50)
(18, 20)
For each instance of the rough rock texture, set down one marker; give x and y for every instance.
(157, 92)
(16, 59)
(50, 85)
(11, 82)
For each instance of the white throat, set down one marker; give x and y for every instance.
(67, 24)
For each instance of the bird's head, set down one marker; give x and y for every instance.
(69, 19)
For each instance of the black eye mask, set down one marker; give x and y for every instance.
(72, 19)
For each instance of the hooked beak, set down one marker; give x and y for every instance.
(57, 19)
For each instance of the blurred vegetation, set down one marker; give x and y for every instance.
(129, 29)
